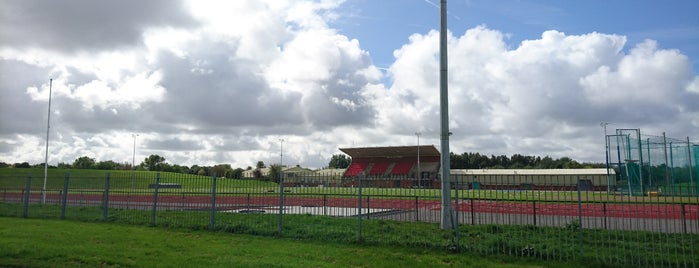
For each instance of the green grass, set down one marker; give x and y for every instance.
(54, 243)
(123, 181)
(602, 247)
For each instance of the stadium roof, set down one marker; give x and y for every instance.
(390, 152)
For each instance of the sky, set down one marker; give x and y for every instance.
(236, 82)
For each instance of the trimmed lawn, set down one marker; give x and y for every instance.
(55, 243)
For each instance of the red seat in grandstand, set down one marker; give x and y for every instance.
(355, 169)
(402, 168)
(379, 168)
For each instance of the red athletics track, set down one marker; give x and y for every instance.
(183, 201)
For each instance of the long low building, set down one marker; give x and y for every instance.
(596, 179)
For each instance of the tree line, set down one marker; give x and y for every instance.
(465, 160)
(470, 160)
(153, 162)
(516, 161)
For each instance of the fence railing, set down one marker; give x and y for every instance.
(568, 224)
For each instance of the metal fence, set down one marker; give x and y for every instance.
(506, 218)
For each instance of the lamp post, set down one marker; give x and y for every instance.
(447, 220)
(419, 174)
(606, 153)
(133, 161)
(46, 157)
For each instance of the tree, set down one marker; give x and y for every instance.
(220, 170)
(257, 173)
(3, 165)
(63, 165)
(84, 162)
(153, 162)
(22, 165)
(260, 164)
(194, 169)
(235, 173)
(106, 165)
(339, 161)
(275, 172)
(547, 162)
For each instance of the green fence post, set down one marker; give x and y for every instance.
(684, 219)
(27, 193)
(281, 200)
(456, 214)
(534, 211)
(359, 209)
(212, 220)
(580, 234)
(417, 210)
(155, 199)
(368, 205)
(64, 199)
(105, 199)
(473, 212)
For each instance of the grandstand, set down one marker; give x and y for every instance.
(389, 166)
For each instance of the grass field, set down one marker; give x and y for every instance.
(601, 247)
(54, 243)
(122, 181)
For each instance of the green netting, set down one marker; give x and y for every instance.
(647, 163)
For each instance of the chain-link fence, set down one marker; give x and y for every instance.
(562, 220)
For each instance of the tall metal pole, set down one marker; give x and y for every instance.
(640, 161)
(447, 220)
(46, 157)
(419, 175)
(689, 155)
(606, 154)
(667, 171)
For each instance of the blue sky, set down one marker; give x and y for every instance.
(383, 26)
(221, 82)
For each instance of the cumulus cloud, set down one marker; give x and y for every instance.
(207, 82)
(78, 25)
(545, 96)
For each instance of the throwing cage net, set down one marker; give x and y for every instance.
(652, 165)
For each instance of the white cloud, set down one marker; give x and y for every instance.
(225, 83)
(544, 97)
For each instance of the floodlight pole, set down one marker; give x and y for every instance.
(447, 220)
(46, 156)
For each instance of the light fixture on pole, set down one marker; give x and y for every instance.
(46, 157)
(419, 174)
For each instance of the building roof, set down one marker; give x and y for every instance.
(578, 171)
(389, 152)
(331, 171)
